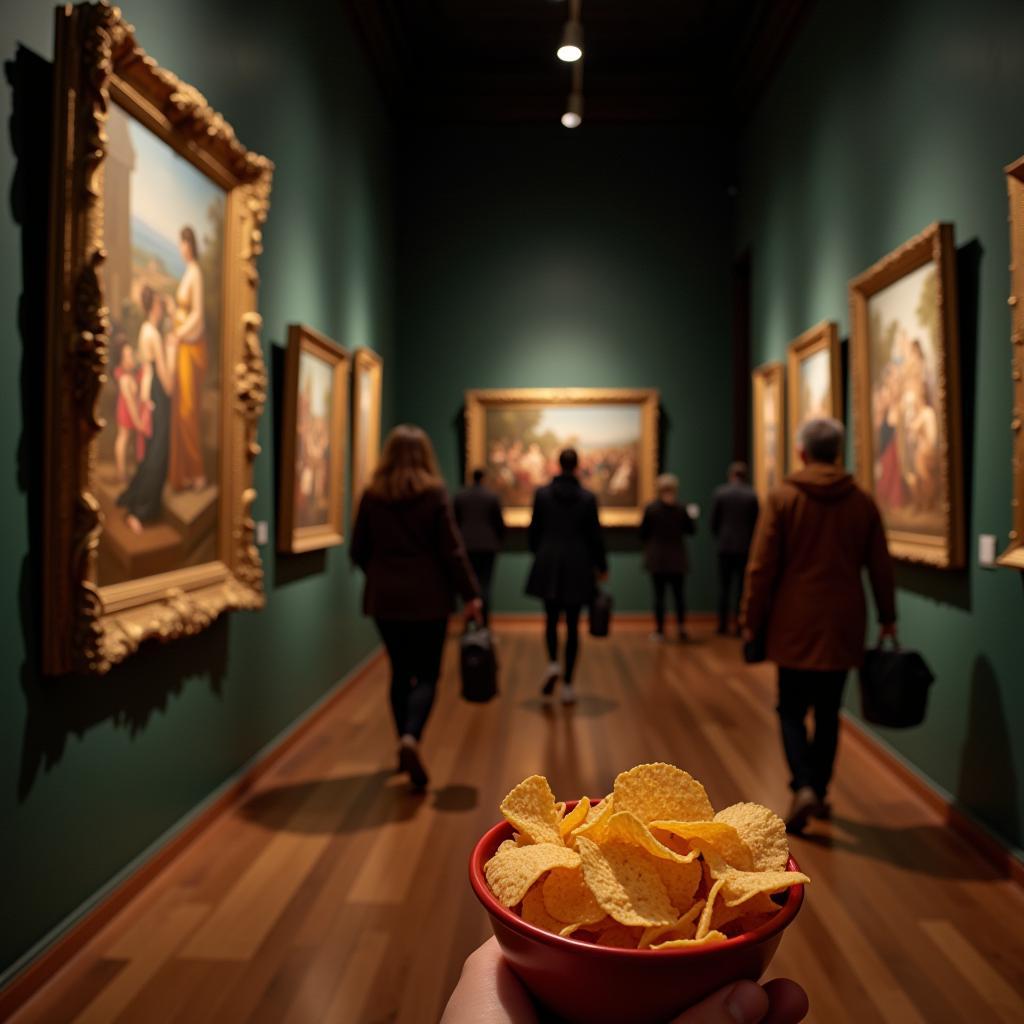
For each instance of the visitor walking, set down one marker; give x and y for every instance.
(663, 533)
(734, 510)
(478, 514)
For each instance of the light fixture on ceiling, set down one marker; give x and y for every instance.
(573, 116)
(571, 49)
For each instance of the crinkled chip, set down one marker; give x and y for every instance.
(626, 883)
(661, 792)
(568, 899)
(681, 881)
(704, 924)
(619, 936)
(623, 827)
(596, 823)
(508, 844)
(530, 809)
(760, 904)
(764, 833)
(684, 928)
(511, 872)
(717, 836)
(534, 911)
(740, 886)
(576, 817)
(683, 943)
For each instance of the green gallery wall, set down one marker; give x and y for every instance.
(885, 118)
(93, 771)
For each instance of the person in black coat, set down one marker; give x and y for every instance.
(406, 542)
(478, 514)
(569, 557)
(663, 533)
(734, 509)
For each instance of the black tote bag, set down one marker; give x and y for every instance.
(478, 665)
(894, 687)
(601, 613)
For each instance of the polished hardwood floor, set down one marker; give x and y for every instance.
(333, 895)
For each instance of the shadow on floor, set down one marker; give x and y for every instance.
(586, 706)
(351, 803)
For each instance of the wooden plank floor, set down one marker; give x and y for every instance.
(332, 895)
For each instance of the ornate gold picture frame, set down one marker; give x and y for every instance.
(367, 389)
(516, 434)
(814, 380)
(313, 440)
(1013, 556)
(906, 385)
(189, 386)
(768, 395)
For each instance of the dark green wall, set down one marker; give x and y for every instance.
(534, 256)
(93, 771)
(886, 117)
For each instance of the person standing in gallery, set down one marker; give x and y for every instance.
(804, 594)
(734, 509)
(406, 542)
(568, 560)
(663, 533)
(478, 514)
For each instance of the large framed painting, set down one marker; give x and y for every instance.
(768, 390)
(155, 378)
(313, 440)
(906, 383)
(1013, 556)
(367, 386)
(517, 434)
(813, 375)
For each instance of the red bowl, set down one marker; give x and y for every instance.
(592, 984)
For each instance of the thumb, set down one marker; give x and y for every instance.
(742, 1003)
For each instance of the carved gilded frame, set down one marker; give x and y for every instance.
(767, 380)
(365, 443)
(1013, 556)
(292, 538)
(479, 400)
(945, 549)
(821, 337)
(88, 628)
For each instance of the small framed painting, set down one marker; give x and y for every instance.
(815, 390)
(313, 442)
(768, 390)
(367, 385)
(906, 383)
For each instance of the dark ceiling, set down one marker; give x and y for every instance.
(645, 60)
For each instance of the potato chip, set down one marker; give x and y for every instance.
(623, 827)
(530, 809)
(683, 943)
(704, 924)
(684, 928)
(661, 792)
(576, 817)
(596, 821)
(625, 883)
(508, 844)
(534, 911)
(620, 936)
(717, 836)
(740, 886)
(761, 904)
(681, 881)
(560, 809)
(511, 872)
(764, 833)
(568, 899)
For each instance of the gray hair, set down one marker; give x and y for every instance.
(667, 482)
(821, 440)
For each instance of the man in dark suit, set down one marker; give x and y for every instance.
(663, 533)
(478, 514)
(734, 509)
(568, 558)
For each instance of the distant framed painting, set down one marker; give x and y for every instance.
(768, 391)
(813, 376)
(154, 374)
(1013, 556)
(313, 439)
(518, 433)
(367, 387)
(906, 383)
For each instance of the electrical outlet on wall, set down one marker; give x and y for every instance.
(262, 532)
(987, 550)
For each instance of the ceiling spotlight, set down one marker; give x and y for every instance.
(571, 49)
(573, 116)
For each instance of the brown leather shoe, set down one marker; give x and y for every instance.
(805, 801)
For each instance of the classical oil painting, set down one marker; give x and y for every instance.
(313, 442)
(368, 374)
(907, 388)
(517, 435)
(155, 379)
(769, 427)
(814, 380)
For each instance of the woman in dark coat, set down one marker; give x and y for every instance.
(663, 533)
(406, 542)
(569, 557)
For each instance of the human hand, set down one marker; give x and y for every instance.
(489, 993)
(747, 635)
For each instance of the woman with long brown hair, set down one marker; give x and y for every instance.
(406, 542)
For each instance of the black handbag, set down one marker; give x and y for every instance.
(478, 665)
(754, 649)
(894, 687)
(601, 613)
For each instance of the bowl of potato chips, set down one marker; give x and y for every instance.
(638, 905)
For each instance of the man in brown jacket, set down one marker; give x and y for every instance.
(803, 591)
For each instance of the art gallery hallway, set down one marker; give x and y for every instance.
(331, 894)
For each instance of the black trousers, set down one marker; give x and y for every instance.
(800, 691)
(483, 566)
(731, 570)
(672, 581)
(414, 649)
(553, 611)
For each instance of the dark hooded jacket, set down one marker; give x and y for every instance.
(817, 532)
(566, 541)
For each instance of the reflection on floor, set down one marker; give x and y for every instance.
(332, 895)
